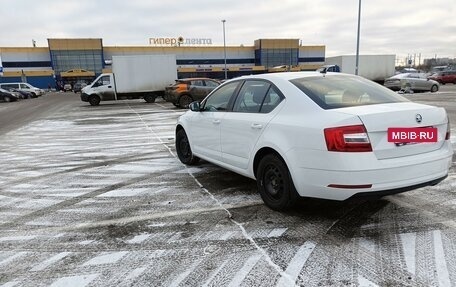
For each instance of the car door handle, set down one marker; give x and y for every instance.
(109, 86)
(257, 126)
(216, 122)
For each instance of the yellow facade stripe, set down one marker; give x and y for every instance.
(171, 50)
(75, 44)
(277, 43)
(78, 74)
(106, 70)
(312, 67)
(24, 50)
(28, 73)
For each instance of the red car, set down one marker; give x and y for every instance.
(444, 77)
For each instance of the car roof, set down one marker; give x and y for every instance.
(193, 79)
(290, 75)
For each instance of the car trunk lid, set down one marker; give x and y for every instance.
(378, 118)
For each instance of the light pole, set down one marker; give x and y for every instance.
(224, 47)
(357, 39)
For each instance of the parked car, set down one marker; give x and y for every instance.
(24, 87)
(185, 91)
(67, 87)
(7, 96)
(444, 77)
(24, 94)
(307, 134)
(329, 68)
(77, 87)
(417, 82)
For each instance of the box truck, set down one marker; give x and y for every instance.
(373, 67)
(133, 77)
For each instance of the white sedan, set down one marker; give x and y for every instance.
(309, 134)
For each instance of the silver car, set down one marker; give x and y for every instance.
(411, 81)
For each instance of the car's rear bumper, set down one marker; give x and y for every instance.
(340, 179)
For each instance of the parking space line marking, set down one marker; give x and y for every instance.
(108, 258)
(138, 238)
(43, 265)
(10, 284)
(74, 281)
(13, 257)
(176, 282)
(365, 283)
(277, 232)
(245, 270)
(440, 261)
(408, 245)
(17, 238)
(214, 273)
(297, 263)
(135, 273)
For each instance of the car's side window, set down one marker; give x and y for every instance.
(23, 86)
(271, 100)
(218, 101)
(211, 83)
(197, 83)
(251, 97)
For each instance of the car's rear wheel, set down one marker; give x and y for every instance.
(150, 98)
(184, 101)
(94, 100)
(184, 151)
(275, 184)
(434, 88)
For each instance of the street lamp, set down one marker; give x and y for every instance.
(357, 39)
(224, 47)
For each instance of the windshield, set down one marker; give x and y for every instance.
(334, 91)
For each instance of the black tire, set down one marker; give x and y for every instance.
(184, 151)
(434, 88)
(275, 184)
(150, 98)
(7, 99)
(94, 100)
(184, 101)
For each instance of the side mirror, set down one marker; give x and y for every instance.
(195, 106)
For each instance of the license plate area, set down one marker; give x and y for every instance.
(406, 136)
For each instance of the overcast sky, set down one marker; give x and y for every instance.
(387, 26)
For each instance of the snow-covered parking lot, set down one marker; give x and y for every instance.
(95, 196)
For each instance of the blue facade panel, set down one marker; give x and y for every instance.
(38, 81)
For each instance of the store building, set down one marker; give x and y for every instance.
(72, 60)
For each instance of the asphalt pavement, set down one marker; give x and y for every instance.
(95, 196)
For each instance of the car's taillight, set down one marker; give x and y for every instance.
(347, 139)
(448, 131)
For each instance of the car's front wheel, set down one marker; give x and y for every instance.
(184, 151)
(434, 88)
(94, 100)
(275, 184)
(7, 99)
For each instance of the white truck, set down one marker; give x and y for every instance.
(133, 77)
(373, 67)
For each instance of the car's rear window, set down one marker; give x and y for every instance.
(336, 91)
